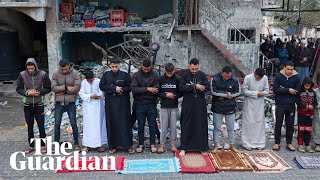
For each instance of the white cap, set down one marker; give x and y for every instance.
(304, 41)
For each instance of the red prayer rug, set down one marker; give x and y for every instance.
(91, 162)
(195, 162)
(227, 160)
(266, 161)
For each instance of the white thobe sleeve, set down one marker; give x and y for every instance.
(100, 93)
(82, 93)
(245, 89)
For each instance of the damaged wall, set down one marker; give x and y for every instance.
(175, 50)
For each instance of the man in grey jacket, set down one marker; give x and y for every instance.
(32, 85)
(66, 85)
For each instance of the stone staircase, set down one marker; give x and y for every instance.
(239, 50)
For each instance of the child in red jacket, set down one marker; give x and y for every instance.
(306, 102)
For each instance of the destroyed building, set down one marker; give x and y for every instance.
(88, 32)
(218, 32)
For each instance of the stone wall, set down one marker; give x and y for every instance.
(175, 50)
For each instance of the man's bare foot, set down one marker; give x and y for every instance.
(182, 153)
(233, 148)
(173, 148)
(215, 149)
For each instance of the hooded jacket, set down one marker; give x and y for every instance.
(306, 98)
(38, 80)
(281, 85)
(61, 81)
(139, 84)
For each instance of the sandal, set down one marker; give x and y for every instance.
(85, 148)
(29, 150)
(76, 147)
(131, 150)
(160, 150)
(276, 147)
(101, 149)
(153, 148)
(43, 150)
(139, 149)
(290, 147)
(112, 151)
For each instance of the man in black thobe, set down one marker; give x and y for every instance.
(194, 123)
(116, 84)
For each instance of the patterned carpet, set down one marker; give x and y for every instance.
(144, 166)
(266, 161)
(226, 160)
(195, 162)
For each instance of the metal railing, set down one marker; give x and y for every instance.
(217, 23)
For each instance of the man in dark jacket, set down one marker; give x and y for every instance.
(144, 86)
(304, 59)
(33, 84)
(194, 121)
(169, 94)
(66, 85)
(285, 88)
(224, 88)
(116, 85)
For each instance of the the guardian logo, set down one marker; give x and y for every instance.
(39, 162)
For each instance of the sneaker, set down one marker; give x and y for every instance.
(309, 149)
(301, 149)
(318, 148)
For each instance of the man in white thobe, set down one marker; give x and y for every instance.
(94, 121)
(255, 87)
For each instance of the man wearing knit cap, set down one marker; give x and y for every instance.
(303, 60)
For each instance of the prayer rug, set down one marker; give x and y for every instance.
(266, 161)
(144, 166)
(90, 162)
(227, 160)
(195, 162)
(308, 162)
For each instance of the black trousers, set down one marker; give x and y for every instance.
(287, 113)
(31, 113)
(304, 129)
(134, 119)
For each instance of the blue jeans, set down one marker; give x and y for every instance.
(302, 72)
(71, 110)
(217, 122)
(149, 112)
